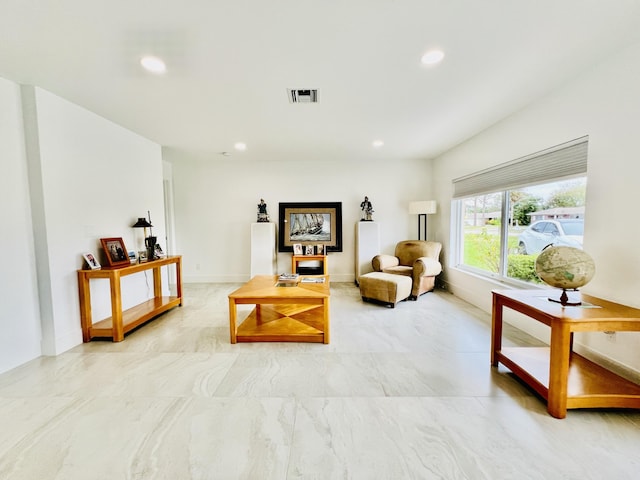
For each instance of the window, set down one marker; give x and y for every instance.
(502, 224)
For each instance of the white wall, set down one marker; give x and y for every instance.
(19, 315)
(97, 178)
(216, 202)
(87, 179)
(604, 104)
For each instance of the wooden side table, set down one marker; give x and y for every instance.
(121, 321)
(559, 375)
(295, 259)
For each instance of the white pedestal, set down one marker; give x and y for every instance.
(367, 246)
(263, 249)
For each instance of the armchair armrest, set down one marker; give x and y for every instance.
(426, 266)
(380, 262)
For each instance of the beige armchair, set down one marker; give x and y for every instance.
(417, 259)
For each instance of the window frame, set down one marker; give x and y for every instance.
(556, 164)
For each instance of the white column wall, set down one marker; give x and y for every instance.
(19, 316)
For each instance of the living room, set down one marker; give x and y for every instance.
(72, 177)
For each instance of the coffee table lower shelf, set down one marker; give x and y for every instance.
(589, 385)
(283, 323)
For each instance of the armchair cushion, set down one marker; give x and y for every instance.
(399, 270)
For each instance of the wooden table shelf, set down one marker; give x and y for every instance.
(296, 259)
(589, 385)
(563, 378)
(121, 322)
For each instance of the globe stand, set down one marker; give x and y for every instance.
(564, 299)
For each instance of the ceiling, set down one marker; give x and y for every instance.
(230, 63)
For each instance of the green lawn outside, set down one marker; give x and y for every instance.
(482, 250)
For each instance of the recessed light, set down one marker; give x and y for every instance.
(432, 57)
(153, 64)
(378, 143)
(240, 146)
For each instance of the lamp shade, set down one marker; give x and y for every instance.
(142, 222)
(423, 207)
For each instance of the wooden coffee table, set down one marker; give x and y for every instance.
(297, 313)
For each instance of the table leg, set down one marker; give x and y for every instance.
(496, 330)
(233, 314)
(84, 291)
(327, 326)
(179, 279)
(157, 283)
(116, 309)
(559, 370)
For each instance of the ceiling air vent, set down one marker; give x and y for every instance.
(302, 95)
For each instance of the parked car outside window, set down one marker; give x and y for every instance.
(557, 232)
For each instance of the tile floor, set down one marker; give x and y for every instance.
(404, 393)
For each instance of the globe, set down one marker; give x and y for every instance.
(566, 268)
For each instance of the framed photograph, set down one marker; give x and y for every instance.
(91, 260)
(142, 256)
(159, 251)
(319, 249)
(310, 223)
(308, 250)
(297, 249)
(115, 252)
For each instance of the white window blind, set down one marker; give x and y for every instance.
(565, 160)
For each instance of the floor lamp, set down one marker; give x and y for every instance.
(422, 209)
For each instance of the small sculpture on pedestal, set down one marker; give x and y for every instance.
(263, 216)
(367, 210)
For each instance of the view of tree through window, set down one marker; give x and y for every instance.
(534, 217)
(482, 217)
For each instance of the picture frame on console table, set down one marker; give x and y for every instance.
(310, 223)
(115, 252)
(92, 261)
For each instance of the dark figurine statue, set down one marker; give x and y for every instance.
(263, 216)
(367, 210)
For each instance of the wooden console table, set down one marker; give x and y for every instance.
(295, 259)
(561, 376)
(120, 321)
